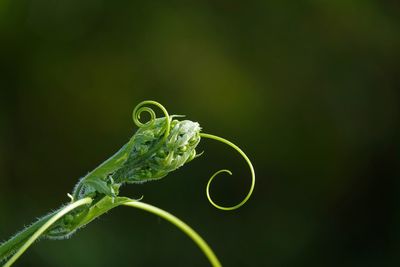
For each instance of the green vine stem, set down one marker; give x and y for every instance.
(46, 226)
(8, 247)
(253, 175)
(159, 146)
(100, 208)
(181, 225)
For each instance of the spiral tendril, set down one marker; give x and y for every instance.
(253, 175)
(140, 108)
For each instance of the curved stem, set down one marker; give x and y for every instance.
(8, 248)
(181, 225)
(253, 175)
(46, 226)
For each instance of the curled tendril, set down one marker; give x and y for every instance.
(253, 175)
(140, 108)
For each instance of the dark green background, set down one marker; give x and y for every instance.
(309, 89)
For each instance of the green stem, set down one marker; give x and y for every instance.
(181, 225)
(10, 246)
(46, 226)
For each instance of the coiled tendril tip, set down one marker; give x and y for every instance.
(140, 108)
(253, 175)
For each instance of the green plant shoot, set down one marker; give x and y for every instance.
(159, 147)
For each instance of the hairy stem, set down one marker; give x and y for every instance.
(22, 241)
(44, 226)
(10, 246)
(182, 226)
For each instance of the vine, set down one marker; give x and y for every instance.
(159, 146)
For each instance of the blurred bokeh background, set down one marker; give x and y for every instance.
(309, 89)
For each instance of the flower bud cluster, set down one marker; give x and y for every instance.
(154, 155)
